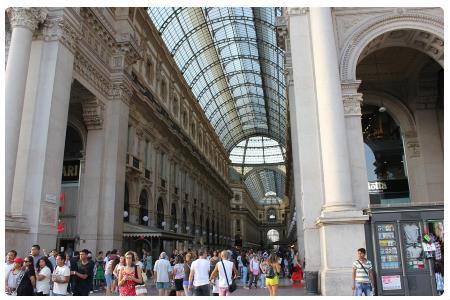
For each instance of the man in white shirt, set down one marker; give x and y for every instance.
(10, 256)
(230, 271)
(199, 276)
(161, 272)
(60, 277)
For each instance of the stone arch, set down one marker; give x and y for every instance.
(396, 109)
(405, 119)
(369, 31)
(78, 126)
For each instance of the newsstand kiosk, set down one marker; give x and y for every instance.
(406, 245)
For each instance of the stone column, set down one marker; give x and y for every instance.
(340, 220)
(89, 203)
(305, 136)
(23, 23)
(352, 110)
(37, 181)
(110, 219)
(431, 150)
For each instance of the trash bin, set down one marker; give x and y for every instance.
(312, 282)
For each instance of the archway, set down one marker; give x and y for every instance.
(143, 208)
(273, 237)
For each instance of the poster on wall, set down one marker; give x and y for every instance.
(391, 282)
(388, 248)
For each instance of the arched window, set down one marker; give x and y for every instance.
(160, 213)
(271, 215)
(184, 225)
(126, 205)
(149, 70)
(173, 215)
(143, 208)
(163, 90)
(385, 159)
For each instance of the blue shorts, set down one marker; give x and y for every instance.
(109, 280)
(162, 285)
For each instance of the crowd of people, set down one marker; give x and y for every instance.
(192, 272)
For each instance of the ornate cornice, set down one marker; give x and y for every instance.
(126, 51)
(59, 29)
(86, 69)
(26, 17)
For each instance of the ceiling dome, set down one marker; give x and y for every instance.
(258, 150)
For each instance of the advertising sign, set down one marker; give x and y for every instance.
(391, 282)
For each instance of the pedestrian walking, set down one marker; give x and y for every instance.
(83, 274)
(13, 277)
(118, 264)
(244, 270)
(10, 256)
(27, 285)
(272, 275)
(162, 271)
(61, 276)
(129, 276)
(43, 276)
(178, 275)
(362, 274)
(254, 271)
(226, 272)
(199, 275)
(187, 271)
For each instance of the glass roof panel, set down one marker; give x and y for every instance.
(230, 59)
(257, 150)
(266, 186)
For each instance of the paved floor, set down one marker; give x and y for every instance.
(285, 289)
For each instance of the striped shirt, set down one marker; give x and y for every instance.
(361, 275)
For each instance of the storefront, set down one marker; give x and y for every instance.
(406, 245)
(155, 240)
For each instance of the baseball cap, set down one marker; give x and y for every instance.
(18, 260)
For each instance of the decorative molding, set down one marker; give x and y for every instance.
(90, 72)
(414, 148)
(121, 90)
(92, 114)
(26, 17)
(59, 29)
(368, 31)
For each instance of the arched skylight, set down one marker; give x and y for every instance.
(258, 150)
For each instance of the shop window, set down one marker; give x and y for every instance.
(385, 160)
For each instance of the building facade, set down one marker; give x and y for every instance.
(108, 147)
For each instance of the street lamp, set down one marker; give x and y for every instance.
(145, 218)
(125, 214)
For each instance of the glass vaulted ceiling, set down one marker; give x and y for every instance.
(266, 186)
(230, 59)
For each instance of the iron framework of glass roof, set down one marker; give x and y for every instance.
(266, 186)
(258, 150)
(230, 59)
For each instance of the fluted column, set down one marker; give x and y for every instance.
(336, 169)
(23, 23)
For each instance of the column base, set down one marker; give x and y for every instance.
(341, 234)
(17, 234)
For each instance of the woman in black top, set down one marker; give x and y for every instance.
(27, 284)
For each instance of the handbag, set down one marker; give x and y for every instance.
(231, 287)
(141, 289)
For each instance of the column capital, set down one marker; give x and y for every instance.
(93, 114)
(351, 98)
(60, 29)
(26, 17)
(121, 90)
(297, 11)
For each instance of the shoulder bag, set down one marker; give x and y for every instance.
(141, 289)
(231, 287)
(365, 270)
